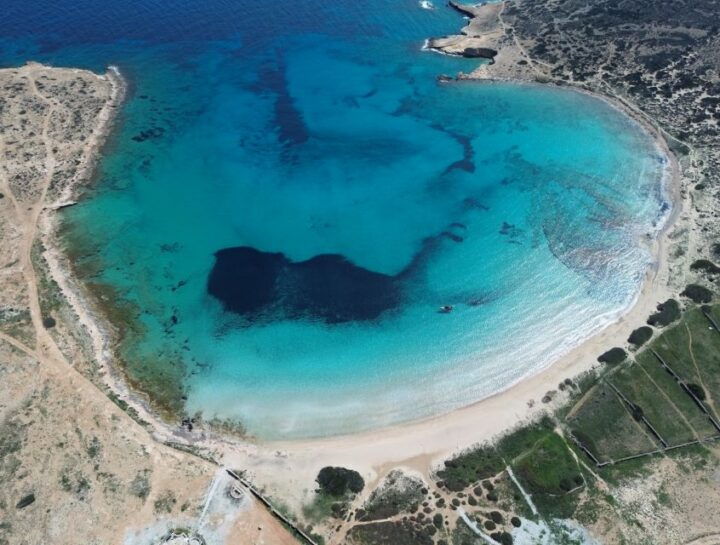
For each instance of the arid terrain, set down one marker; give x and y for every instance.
(74, 466)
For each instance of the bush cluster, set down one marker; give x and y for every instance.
(697, 293)
(613, 356)
(668, 312)
(337, 481)
(640, 336)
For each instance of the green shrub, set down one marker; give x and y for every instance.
(25, 501)
(705, 265)
(140, 485)
(637, 413)
(697, 391)
(640, 336)
(668, 312)
(337, 481)
(506, 539)
(469, 467)
(613, 356)
(697, 293)
(716, 250)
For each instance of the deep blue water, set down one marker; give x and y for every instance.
(290, 197)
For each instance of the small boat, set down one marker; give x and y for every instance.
(445, 309)
(426, 4)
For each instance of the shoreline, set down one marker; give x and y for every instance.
(418, 444)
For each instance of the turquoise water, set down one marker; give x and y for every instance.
(309, 129)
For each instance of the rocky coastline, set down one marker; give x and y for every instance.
(475, 39)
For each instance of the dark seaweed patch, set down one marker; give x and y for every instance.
(290, 124)
(328, 287)
(263, 286)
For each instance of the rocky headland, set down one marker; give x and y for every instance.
(477, 38)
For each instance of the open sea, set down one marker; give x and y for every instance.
(290, 197)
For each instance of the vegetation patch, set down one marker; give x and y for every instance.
(393, 533)
(140, 485)
(640, 336)
(668, 312)
(604, 426)
(697, 293)
(165, 502)
(484, 461)
(12, 434)
(705, 265)
(469, 467)
(337, 485)
(463, 535)
(613, 356)
(399, 493)
(75, 483)
(672, 391)
(549, 473)
(338, 481)
(692, 349)
(662, 414)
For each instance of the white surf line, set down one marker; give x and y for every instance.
(474, 527)
(527, 497)
(208, 498)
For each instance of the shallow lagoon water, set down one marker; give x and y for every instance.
(307, 129)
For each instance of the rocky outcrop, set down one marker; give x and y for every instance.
(477, 37)
(479, 52)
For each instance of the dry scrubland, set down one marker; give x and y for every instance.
(74, 466)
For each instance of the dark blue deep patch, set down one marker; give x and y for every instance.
(289, 121)
(328, 287)
(262, 286)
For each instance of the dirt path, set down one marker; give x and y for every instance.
(602, 484)
(257, 525)
(509, 31)
(708, 392)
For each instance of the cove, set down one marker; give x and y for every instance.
(290, 196)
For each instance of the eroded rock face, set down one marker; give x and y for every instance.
(479, 52)
(482, 31)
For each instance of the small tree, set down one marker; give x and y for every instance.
(337, 481)
(697, 391)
